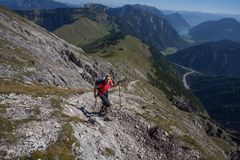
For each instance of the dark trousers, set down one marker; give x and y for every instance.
(105, 100)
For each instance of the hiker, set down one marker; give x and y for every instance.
(101, 89)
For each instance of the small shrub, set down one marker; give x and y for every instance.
(61, 150)
(108, 152)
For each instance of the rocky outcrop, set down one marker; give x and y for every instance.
(183, 103)
(55, 61)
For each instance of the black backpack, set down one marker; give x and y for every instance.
(99, 81)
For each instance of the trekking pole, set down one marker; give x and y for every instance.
(119, 90)
(95, 104)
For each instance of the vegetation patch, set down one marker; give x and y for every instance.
(222, 144)
(168, 51)
(101, 43)
(165, 125)
(36, 110)
(61, 149)
(190, 141)
(2, 154)
(108, 152)
(3, 108)
(11, 86)
(196, 146)
(165, 79)
(82, 31)
(14, 56)
(57, 103)
(6, 130)
(23, 121)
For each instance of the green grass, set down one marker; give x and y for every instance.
(2, 154)
(3, 108)
(57, 103)
(6, 130)
(163, 124)
(11, 86)
(14, 56)
(108, 152)
(222, 144)
(169, 50)
(191, 141)
(124, 52)
(61, 150)
(82, 31)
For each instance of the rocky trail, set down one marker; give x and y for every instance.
(126, 136)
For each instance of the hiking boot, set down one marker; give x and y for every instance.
(101, 114)
(92, 121)
(102, 111)
(107, 119)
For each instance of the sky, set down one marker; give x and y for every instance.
(210, 6)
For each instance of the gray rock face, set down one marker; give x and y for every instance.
(56, 62)
(127, 135)
(34, 126)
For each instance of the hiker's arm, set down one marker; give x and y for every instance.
(95, 91)
(115, 84)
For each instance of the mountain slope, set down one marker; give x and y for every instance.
(213, 59)
(148, 27)
(82, 31)
(114, 18)
(78, 26)
(31, 4)
(175, 19)
(125, 55)
(41, 117)
(149, 9)
(178, 22)
(49, 56)
(221, 97)
(227, 28)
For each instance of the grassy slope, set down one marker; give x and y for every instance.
(14, 56)
(82, 31)
(129, 54)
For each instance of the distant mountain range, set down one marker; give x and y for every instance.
(195, 18)
(178, 22)
(175, 19)
(150, 28)
(31, 4)
(227, 28)
(128, 19)
(213, 59)
(149, 9)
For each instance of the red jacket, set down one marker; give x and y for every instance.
(103, 88)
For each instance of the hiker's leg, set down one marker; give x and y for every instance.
(105, 100)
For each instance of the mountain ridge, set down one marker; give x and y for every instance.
(112, 16)
(227, 28)
(31, 4)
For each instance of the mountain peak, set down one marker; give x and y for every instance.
(226, 28)
(31, 4)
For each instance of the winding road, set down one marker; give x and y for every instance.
(185, 79)
(190, 71)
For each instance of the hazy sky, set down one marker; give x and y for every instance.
(211, 6)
